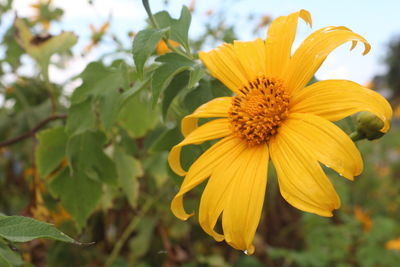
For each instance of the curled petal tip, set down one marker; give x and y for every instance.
(367, 48)
(306, 16)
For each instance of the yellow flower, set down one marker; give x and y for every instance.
(273, 115)
(364, 218)
(393, 244)
(45, 13)
(162, 47)
(97, 35)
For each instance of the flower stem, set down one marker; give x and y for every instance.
(356, 136)
(150, 14)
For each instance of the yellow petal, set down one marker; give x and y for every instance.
(302, 181)
(208, 131)
(329, 143)
(279, 41)
(242, 211)
(202, 168)
(337, 99)
(217, 107)
(312, 53)
(217, 192)
(252, 57)
(224, 65)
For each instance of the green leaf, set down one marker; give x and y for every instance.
(142, 241)
(166, 140)
(195, 76)
(137, 116)
(3, 261)
(79, 194)
(175, 58)
(178, 83)
(51, 149)
(42, 48)
(163, 75)
(9, 258)
(204, 92)
(109, 108)
(156, 166)
(98, 80)
(23, 229)
(103, 88)
(81, 117)
(179, 28)
(85, 155)
(129, 170)
(144, 45)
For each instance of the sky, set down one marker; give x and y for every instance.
(376, 21)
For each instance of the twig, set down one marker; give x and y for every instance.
(32, 131)
(128, 231)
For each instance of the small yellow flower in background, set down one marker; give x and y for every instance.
(162, 47)
(364, 218)
(265, 20)
(393, 244)
(272, 115)
(45, 13)
(97, 35)
(192, 5)
(60, 216)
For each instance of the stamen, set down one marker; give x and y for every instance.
(259, 110)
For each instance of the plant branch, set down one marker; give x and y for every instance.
(32, 131)
(128, 231)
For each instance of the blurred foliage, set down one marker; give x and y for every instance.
(93, 162)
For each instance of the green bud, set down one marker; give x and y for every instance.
(369, 126)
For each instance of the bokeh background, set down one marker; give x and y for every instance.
(130, 222)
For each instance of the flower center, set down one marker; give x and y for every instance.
(258, 111)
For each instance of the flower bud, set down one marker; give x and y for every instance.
(369, 125)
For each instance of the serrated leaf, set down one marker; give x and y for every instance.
(81, 117)
(144, 45)
(79, 194)
(102, 87)
(23, 229)
(178, 83)
(85, 155)
(179, 28)
(41, 48)
(98, 80)
(129, 170)
(137, 116)
(51, 149)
